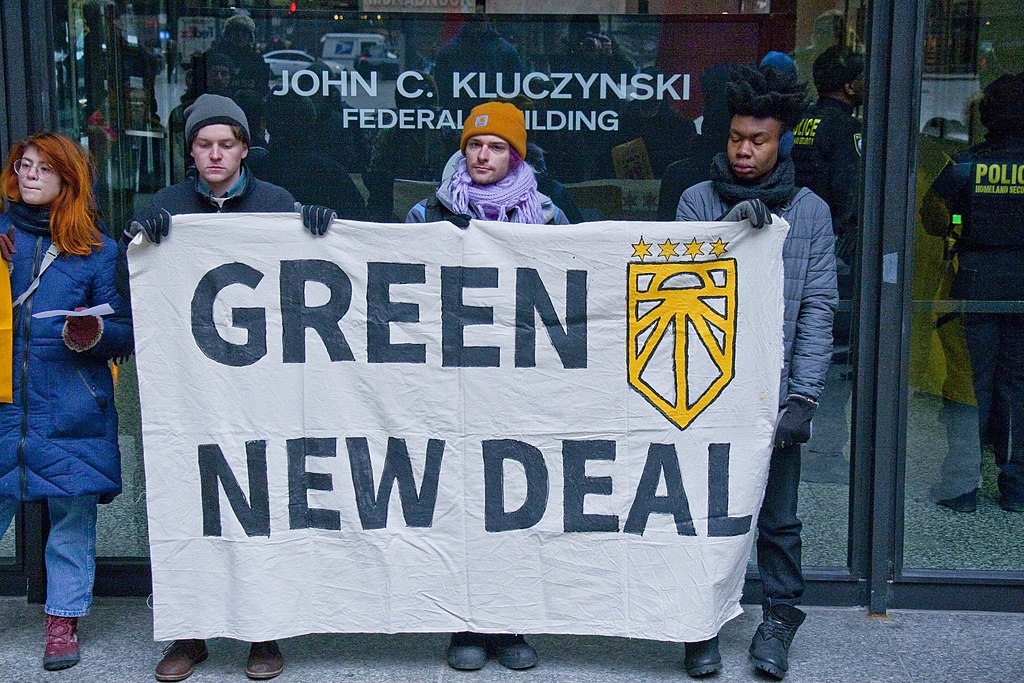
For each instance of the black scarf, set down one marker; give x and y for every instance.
(33, 219)
(774, 190)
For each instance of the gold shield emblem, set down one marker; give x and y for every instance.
(681, 334)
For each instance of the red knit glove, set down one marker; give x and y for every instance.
(7, 245)
(81, 333)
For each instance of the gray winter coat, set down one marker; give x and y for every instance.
(810, 288)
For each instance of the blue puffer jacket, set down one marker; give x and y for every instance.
(810, 288)
(59, 437)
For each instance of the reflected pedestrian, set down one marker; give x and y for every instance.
(982, 189)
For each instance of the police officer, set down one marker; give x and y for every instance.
(827, 143)
(982, 189)
(827, 149)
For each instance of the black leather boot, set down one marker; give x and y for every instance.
(467, 651)
(702, 658)
(770, 647)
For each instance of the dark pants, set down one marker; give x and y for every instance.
(778, 538)
(995, 344)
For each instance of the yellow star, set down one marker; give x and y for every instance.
(668, 248)
(641, 249)
(693, 249)
(718, 248)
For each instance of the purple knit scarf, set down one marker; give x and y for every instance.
(515, 193)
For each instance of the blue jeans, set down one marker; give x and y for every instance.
(778, 527)
(70, 552)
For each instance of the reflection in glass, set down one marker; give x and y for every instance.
(7, 548)
(965, 477)
(625, 112)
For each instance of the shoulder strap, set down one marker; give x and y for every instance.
(48, 258)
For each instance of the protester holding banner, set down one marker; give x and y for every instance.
(58, 437)
(217, 134)
(748, 181)
(491, 182)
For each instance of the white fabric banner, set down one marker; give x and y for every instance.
(420, 428)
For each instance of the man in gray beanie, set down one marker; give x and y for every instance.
(218, 136)
(217, 133)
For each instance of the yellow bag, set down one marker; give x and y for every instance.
(6, 336)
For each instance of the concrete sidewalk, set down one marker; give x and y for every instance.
(833, 645)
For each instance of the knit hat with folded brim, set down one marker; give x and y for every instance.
(496, 118)
(210, 109)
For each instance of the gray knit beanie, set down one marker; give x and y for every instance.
(209, 109)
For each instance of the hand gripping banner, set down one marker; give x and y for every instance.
(420, 428)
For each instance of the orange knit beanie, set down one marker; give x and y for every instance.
(496, 118)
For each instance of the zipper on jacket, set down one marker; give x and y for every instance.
(26, 320)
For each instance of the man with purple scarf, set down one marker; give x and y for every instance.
(491, 182)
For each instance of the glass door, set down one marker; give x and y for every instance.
(964, 487)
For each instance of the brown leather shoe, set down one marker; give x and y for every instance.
(180, 659)
(265, 661)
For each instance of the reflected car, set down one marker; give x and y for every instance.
(380, 59)
(292, 60)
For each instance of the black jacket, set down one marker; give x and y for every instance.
(827, 154)
(186, 197)
(257, 197)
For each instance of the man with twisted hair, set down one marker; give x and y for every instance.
(751, 180)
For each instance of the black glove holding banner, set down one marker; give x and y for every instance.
(794, 423)
(753, 210)
(317, 219)
(156, 223)
(460, 220)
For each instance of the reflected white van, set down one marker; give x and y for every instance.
(342, 50)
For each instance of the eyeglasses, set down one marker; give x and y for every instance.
(23, 166)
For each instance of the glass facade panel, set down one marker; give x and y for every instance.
(828, 153)
(7, 548)
(626, 110)
(964, 471)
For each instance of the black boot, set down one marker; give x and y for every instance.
(467, 651)
(770, 647)
(511, 650)
(702, 658)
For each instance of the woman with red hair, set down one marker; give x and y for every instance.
(58, 437)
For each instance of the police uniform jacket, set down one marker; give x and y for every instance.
(984, 185)
(827, 153)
